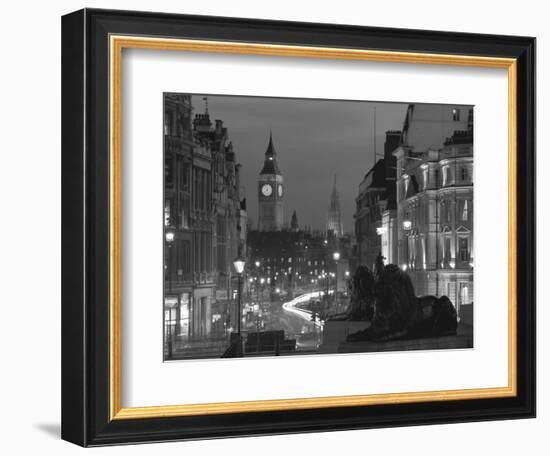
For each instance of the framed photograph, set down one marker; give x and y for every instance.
(273, 227)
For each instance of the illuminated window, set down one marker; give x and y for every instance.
(167, 211)
(463, 292)
(425, 178)
(465, 211)
(445, 172)
(463, 251)
(456, 114)
(168, 123)
(184, 316)
(447, 248)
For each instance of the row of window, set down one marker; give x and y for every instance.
(300, 273)
(463, 211)
(178, 256)
(290, 260)
(178, 261)
(203, 190)
(203, 251)
(459, 210)
(177, 212)
(450, 175)
(174, 126)
(415, 251)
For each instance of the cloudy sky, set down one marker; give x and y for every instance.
(314, 140)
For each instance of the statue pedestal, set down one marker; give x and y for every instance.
(336, 333)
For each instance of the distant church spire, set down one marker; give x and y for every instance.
(294, 222)
(334, 219)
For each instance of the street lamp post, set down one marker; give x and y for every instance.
(258, 327)
(262, 281)
(257, 275)
(336, 257)
(407, 227)
(239, 264)
(169, 236)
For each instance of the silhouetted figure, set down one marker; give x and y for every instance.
(379, 265)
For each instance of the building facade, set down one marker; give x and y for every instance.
(270, 192)
(200, 317)
(178, 207)
(228, 219)
(370, 203)
(204, 220)
(435, 201)
(375, 216)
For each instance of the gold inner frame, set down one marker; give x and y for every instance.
(117, 44)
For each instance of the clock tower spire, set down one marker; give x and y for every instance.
(270, 192)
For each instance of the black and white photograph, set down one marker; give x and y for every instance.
(311, 226)
(248, 228)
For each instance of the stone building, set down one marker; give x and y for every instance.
(200, 318)
(178, 206)
(435, 201)
(228, 215)
(375, 226)
(204, 220)
(369, 207)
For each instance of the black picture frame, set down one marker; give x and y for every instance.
(85, 227)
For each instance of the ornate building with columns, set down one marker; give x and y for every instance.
(434, 191)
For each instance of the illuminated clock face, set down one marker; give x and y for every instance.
(280, 190)
(267, 190)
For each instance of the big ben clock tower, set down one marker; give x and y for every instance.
(270, 192)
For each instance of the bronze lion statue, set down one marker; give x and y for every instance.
(387, 299)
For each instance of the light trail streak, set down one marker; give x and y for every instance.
(290, 306)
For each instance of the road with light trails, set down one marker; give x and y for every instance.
(290, 306)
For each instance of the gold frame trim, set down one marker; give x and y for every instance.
(117, 44)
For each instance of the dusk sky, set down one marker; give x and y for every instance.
(314, 140)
